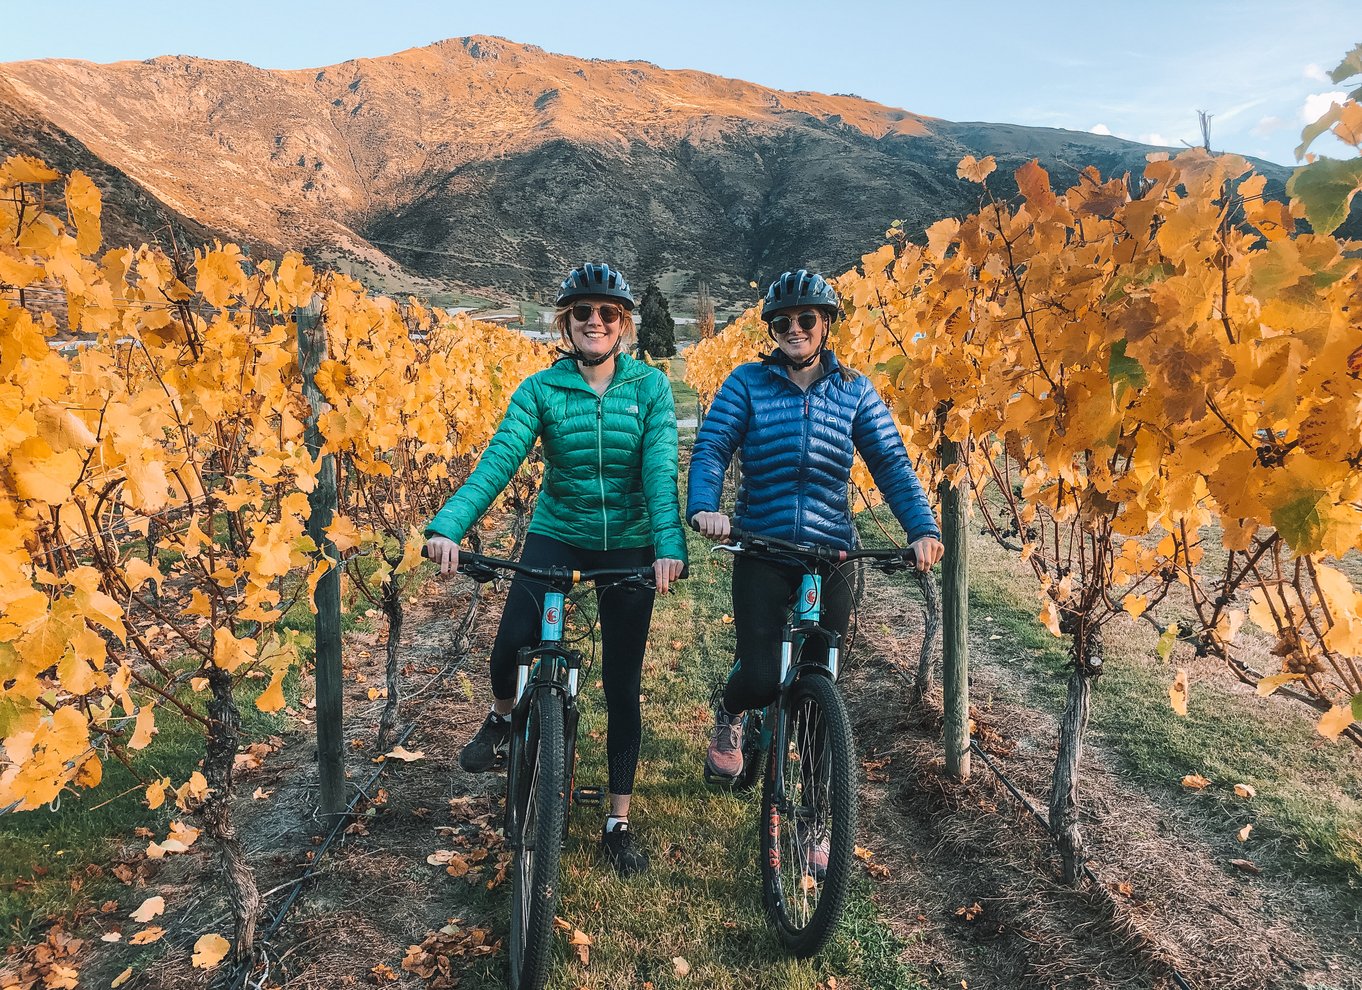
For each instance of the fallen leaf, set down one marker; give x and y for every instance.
(121, 978)
(1245, 791)
(726, 619)
(111, 937)
(402, 753)
(209, 950)
(261, 794)
(150, 908)
(147, 935)
(679, 966)
(1244, 833)
(1247, 866)
(582, 942)
(1195, 782)
(861, 852)
(1177, 692)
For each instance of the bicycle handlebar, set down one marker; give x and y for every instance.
(893, 558)
(483, 568)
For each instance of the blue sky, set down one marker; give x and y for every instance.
(1135, 70)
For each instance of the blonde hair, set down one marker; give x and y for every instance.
(563, 314)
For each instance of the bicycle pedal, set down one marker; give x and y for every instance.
(593, 796)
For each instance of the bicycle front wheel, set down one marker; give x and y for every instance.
(808, 826)
(535, 789)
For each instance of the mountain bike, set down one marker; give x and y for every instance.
(541, 762)
(802, 742)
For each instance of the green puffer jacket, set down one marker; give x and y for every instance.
(609, 461)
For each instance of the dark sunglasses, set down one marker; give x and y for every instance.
(780, 326)
(609, 314)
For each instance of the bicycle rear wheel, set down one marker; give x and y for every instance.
(535, 788)
(808, 813)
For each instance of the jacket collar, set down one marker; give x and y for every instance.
(829, 364)
(564, 372)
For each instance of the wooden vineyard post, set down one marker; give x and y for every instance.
(322, 507)
(955, 617)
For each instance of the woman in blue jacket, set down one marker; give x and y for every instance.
(797, 417)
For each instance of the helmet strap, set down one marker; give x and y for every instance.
(582, 359)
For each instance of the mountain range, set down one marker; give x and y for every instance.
(484, 165)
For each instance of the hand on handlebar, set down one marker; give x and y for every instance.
(928, 551)
(714, 525)
(665, 571)
(444, 552)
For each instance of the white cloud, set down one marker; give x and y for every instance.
(1099, 129)
(1268, 125)
(1313, 71)
(1155, 138)
(1317, 104)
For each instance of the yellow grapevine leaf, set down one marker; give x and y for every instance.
(1177, 692)
(1269, 684)
(147, 935)
(144, 728)
(149, 909)
(974, 169)
(209, 950)
(1135, 605)
(44, 476)
(229, 653)
(1334, 721)
(156, 793)
(1195, 782)
(25, 168)
(1049, 617)
(411, 556)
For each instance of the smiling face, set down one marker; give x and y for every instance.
(594, 325)
(799, 331)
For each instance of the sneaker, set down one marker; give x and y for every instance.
(724, 758)
(493, 738)
(813, 852)
(618, 845)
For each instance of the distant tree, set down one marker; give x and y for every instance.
(656, 328)
(704, 312)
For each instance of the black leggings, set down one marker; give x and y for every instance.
(625, 614)
(763, 594)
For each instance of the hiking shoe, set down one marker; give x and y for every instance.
(493, 738)
(724, 758)
(813, 852)
(618, 846)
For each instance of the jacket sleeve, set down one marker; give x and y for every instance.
(509, 447)
(877, 438)
(722, 433)
(660, 471)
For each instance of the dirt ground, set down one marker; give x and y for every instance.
(974, 892)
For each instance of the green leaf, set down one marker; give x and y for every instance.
(1165, 644)
(1312, 131)
(1349, 67)
(893, 366)
(1300, 521)
(1125, 372)
(1326, 189)
(1357, 707)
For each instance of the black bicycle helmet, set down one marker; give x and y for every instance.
(800, 288)
(592, 279)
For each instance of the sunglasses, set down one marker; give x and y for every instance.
(609, 314)
(782, 325)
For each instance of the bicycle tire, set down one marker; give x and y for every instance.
(819, 802)
(535, 785)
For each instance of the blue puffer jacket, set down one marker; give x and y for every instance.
(797, 449)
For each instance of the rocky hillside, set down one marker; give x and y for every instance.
(490, 165)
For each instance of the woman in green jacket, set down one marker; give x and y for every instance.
(608, 426)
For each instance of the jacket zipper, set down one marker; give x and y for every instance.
(600, 469)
